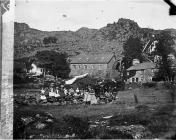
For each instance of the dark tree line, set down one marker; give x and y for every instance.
(55, 62)
(52, 61)
(163, 49)
(132, 50)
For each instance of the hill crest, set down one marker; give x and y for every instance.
(106, 39)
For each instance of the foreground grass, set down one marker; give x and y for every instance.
(78, 110)
(158, 119)
(154, 111)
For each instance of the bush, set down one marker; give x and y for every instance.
(79, 126)
(129, 119)
(18, 127)
(169, 85)
(149, 84)
(121, 85)
(19, 79)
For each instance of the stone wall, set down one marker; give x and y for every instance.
(111, 63)
(139, 75)
(143, 76)
(98, 70)
(93, 69)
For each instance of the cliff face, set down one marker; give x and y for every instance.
(107, 39)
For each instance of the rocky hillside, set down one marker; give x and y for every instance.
(107, 39)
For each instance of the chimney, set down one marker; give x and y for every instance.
(135, 62)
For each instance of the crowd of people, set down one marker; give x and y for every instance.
(62, 94)
(70, 95)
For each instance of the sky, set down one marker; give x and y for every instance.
(59, 15)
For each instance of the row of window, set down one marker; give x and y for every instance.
(135, 79)
(85, 66)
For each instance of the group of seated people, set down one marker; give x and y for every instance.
(86, 95)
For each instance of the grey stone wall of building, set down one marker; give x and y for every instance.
(98, 70)
(93, 69)
(111, 63)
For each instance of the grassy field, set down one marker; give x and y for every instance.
(145, 95)
(154, 110)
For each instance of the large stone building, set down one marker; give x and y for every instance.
(99, 65)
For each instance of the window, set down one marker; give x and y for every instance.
(85, 66)
(153, 70)
(137, 79)
(74, 66)
(151, 79)
(93, 66)
(133, 79)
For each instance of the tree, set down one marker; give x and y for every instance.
(132, 50)
(56, 62)
(163, 49)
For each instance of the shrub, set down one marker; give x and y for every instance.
(79, 126)
(149, 84)
(18, 127)
(129, 119)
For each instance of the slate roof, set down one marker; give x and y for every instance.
(143, 66)
(92, 58)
